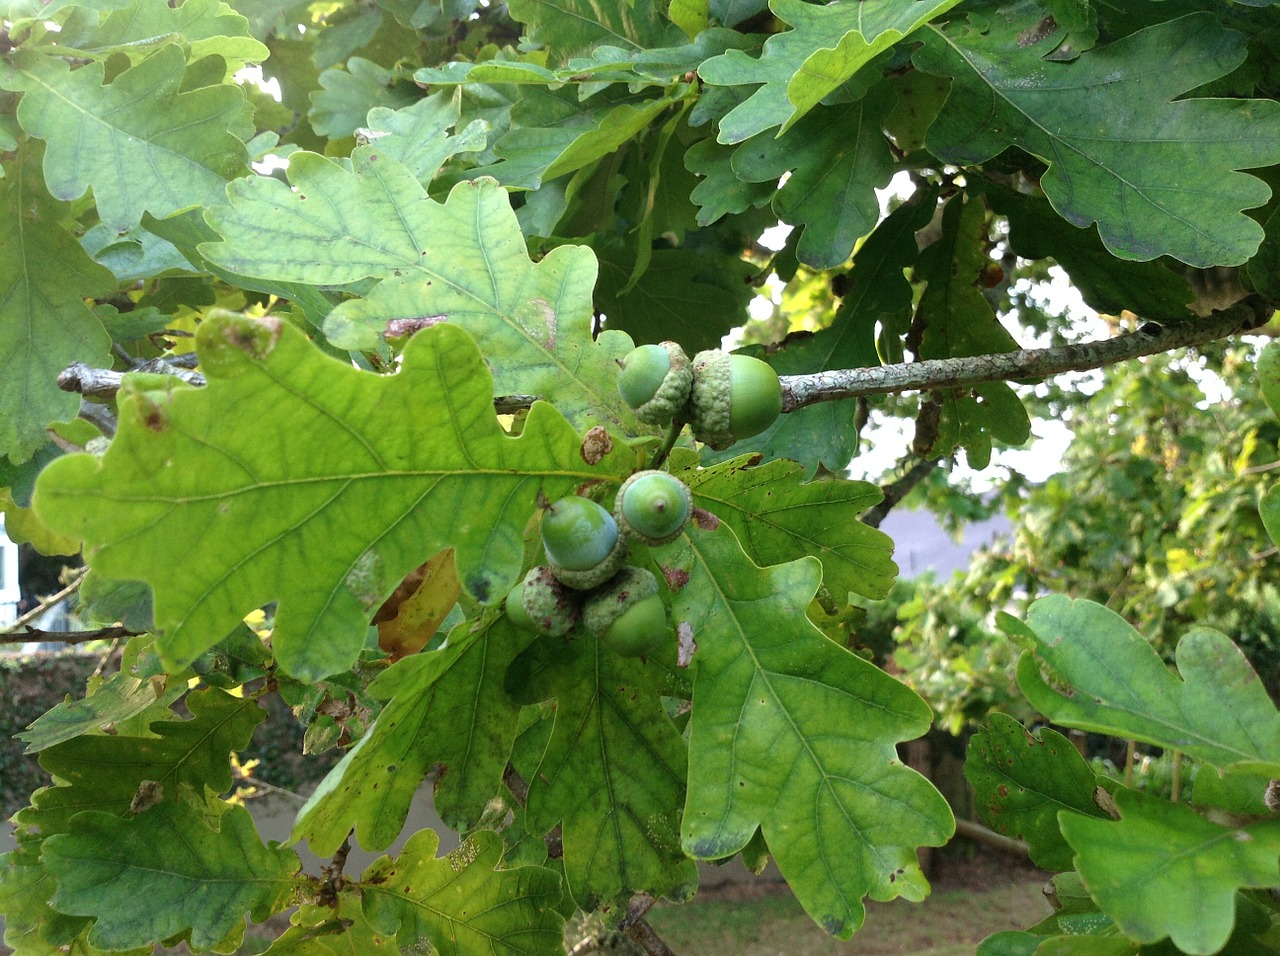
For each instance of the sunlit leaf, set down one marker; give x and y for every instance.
(118, 698)
(570, 28)
(351, 493)
(205, 27)
(140, 143)
(462, 262)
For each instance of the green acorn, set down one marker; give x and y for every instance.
(627, 613)
(653, 506)
(582, 542)
(733, 397)
(655, 381)
(541, 604)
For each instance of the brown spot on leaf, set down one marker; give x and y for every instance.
(705, 519)
(677, 578)
(596, 443)
(404, 327)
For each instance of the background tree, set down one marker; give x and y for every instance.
(304, 373)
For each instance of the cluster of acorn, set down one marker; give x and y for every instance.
(585, 580)
(724, 397)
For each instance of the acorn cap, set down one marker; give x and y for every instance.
(628, 588)
(653, 506)
(584, 579)
(709, 399)
(548, 606)
(657, 390)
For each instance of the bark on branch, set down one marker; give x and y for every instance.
(104, 382)
(801, 390)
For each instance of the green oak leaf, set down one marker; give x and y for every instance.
(1022, 780)
(605, 65)
(1263, 270)
(103, 773)
(1159, 176)
(339, 930)
(1150, 289)
(140, 143)
(720, 192)
(1163, 870)
(445, 709)
(22, 526)
(44, 322)
(733, 12)
(1267, 370)
(695, 296)
(612, 773)
(799, 67)
(463, 262)
(358, 479)
(205, 27)
(461, 902)
(957, 320)
(31, 926)
(1217, 710)
(416, 136)
(778, 517)
(342, 104)
(795, 735)
(194, 879)
(837, 157)
(115, 699)
(135, 256)
(569, 28)
(551, 135)
(823, 434)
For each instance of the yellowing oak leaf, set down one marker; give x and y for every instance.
(299, 479)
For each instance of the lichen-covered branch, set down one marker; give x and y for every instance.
(801, 390)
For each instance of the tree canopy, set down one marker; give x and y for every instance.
(313, 311)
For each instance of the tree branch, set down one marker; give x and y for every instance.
(898, 489)
(799, 391)
(77, 579)
(35, 634)
(105, 383)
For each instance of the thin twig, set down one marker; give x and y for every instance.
(898, 489)
(36, 635)
(980, 834)
(35, 612)
(799, 391)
